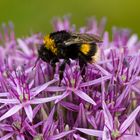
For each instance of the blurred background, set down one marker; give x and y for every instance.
(31, 16)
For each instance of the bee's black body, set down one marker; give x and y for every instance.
(66, 45)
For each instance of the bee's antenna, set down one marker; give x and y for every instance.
(35, 63)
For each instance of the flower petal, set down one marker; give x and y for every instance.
(31, 129)
(129, 120)
(29, 112)
(44, 100)
(55, 89)
(77, 137)
(24, 47)
(96, 81)
(11, 111)
(70, 106)
(106, 134)
(35, 91)
(7, 136)
(64, 95)
(102, 70)
(9, 101)
(123, 95)
(20, 137)
(84, 96)
(131, 137)
(49, 121)
(107, 116)
(4, 94)
(81, 120)
(61, 135)
(132, 40)
(135, 89)
(6, 127)
(91, 132)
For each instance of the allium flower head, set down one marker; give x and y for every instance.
(103, 106)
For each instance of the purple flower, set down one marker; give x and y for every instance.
(105, 105)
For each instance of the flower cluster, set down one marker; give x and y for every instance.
(33, 106)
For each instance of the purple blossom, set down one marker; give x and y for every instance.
(105, 105)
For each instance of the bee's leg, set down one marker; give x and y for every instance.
(53, 64)
(62, 68)
(82, 64)
(35, 63)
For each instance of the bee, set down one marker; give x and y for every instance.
(69, 45)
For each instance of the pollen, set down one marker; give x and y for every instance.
(85, 48)
(50, 44)
(96, 57)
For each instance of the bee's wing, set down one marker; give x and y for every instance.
(77, 38)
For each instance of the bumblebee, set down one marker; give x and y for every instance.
(68, 45)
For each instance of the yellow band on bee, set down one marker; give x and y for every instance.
(85, 48)
(50, 44)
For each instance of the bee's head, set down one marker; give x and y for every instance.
(44, 53)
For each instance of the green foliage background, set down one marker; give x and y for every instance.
(35, 15)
